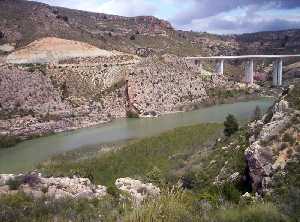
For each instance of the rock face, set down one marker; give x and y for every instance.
(50, 50)
(167, 84)
(78, 92)
(7, 47)
(75, 92)
(35, 185)
(27, 91)
(136, 189)
(273, 142)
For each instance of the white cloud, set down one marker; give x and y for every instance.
(87, 5)
(117, 7)
(128, 7)
(248, 21)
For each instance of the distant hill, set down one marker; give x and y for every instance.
(24, 21)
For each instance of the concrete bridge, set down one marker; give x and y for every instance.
(249, 67)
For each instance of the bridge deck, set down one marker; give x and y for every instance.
(245, 57)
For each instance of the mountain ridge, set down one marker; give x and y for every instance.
(128, 34)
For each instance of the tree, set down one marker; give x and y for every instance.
(132, 37)
(257, 115)
(231, 125)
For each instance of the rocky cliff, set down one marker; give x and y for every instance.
(274, 142)
(47, 88)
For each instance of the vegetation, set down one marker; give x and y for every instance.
(294, 97)
(138, 157)
(189, 156)
(8, 141)
(21, 207)
(257, 115)
(220, 93)
(231, 125)
(256, 212)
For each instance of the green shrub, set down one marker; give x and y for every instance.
(190, 180)
(253, 213)
(170, 206)
(15, 183)
(289, 139)
(257, 115)
(21, 207)
(230, 192)
(113, 191)
(231, 125)
(131, 114)
(155, 176)
(8, 141)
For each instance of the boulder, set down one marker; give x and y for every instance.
(55, 187)
(4, 178)
(136, 189)
(281, 106)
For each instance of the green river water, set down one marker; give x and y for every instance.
(24, 156)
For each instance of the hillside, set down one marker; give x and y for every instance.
(192, 173)
(127, 34)
(63, 69)
(50, 50)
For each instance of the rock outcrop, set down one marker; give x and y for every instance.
(136, 189)
(74, 92)
(274, 141)
(168, 83)
(37, 186)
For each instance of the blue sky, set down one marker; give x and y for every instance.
(215, 16)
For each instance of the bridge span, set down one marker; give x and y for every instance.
(249, 64)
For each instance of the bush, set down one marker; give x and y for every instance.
(258, 213)
(132, 37)
(113, 191)
(230, 192)
(8, 141)
(21, 207)
(15, 182)
(171, 206)
(289, 139)
(155, 176)
(189, 180)
(257, 115)
(231, 125)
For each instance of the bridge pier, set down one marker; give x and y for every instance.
(220, 67)
(249, 72)
(277, 72)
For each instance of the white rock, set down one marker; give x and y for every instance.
(281, 106)
(234, 176)
(4, 178)
(136, 189)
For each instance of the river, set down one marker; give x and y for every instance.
(24, 156)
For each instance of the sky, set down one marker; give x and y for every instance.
(214, 16)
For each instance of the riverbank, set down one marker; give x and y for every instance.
(137, 158)
(21, 130)
(201, 176)
(25, 155)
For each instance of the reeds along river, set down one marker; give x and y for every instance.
(24, 156)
